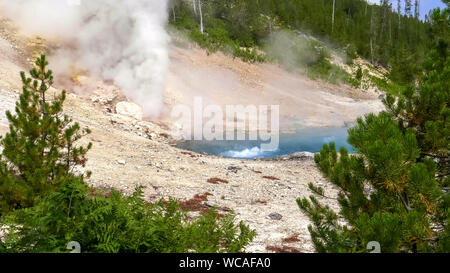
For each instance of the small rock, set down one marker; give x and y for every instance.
(275, 216)
(121, 162)
(234, 169)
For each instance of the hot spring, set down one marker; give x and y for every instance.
(304, 140)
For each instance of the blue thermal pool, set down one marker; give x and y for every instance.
(305, 140)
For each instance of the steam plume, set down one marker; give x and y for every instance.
(122, 41)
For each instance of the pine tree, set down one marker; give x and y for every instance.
(39, 151)
(395, 190)
(426, 109)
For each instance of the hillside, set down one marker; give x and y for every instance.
(388, 35)
(128, 152)
(221, 80)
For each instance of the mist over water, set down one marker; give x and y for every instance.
(305, 140)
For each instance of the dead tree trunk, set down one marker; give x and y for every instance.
(201, 16)
(332, 19)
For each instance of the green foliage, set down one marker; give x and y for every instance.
(114, 223)
(356, 80)
(351, 54)
(330, 72)
(426, 109)
(385, 85)
(404, 68)
(227, 29)
(374, 32)
(249, 55)
(395, 189)
(359, 73)
(297, 52)
(217, 38)
(39, 151)
(386, 196)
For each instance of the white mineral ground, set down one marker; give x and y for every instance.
(129, 152)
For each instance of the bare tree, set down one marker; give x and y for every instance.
(201, 16)
(173, 12)
(373, 31)
(332, 17)
(408, 8)
(416, 9)
(194, 3)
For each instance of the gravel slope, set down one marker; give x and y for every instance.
(129, 152)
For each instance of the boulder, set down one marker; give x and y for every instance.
(129, 109)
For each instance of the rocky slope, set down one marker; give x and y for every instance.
(129, 151)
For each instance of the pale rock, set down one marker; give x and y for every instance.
(298, 155)
(129, 109)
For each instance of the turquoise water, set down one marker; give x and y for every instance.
(305, 140)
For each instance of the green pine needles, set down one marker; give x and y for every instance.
(395, 190)
(40, 149)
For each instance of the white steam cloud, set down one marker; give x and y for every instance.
(122, 41)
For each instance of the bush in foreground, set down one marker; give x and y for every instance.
(113, 223)
(44, 205)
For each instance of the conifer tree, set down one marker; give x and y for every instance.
(395, 190)
(39, 151)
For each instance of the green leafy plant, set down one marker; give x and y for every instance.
(113, 223)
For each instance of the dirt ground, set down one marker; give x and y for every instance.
(129, 152)
(303, 102)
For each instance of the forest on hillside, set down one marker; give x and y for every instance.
(392, 36)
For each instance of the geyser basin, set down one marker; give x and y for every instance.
(305, 140)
